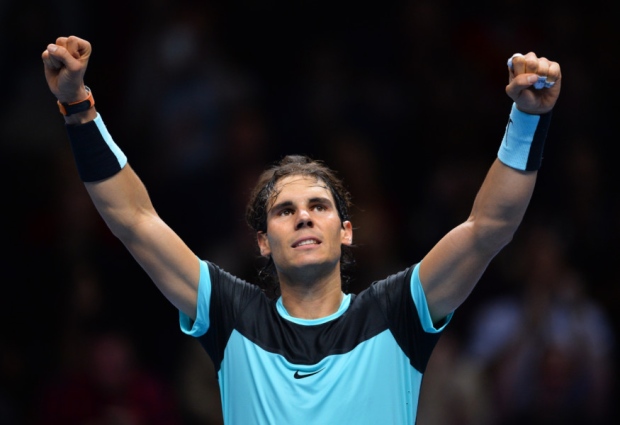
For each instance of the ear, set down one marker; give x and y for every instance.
(263, 243)
(346, 233)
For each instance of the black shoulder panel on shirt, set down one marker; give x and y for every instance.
(234, 295)
(397, 303)
(386, 304)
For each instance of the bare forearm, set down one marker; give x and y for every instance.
(122, 201)
(501, 203)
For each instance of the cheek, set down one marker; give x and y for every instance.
(272, 241)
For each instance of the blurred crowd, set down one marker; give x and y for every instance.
(404, 98)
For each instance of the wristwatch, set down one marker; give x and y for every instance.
(80, 106)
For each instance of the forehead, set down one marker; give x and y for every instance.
(297, 187)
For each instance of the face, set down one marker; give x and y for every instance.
(304, 231)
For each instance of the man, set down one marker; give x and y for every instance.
(316, 354)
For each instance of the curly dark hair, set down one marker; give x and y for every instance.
(264, 194)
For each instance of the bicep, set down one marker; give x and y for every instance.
(168, 261)
(452, 268)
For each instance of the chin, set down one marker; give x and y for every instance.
(315, 265)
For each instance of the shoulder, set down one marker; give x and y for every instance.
(223, 281)
(392, 284)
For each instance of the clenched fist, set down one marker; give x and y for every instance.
(65, 63)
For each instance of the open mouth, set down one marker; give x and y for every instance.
(306, 242)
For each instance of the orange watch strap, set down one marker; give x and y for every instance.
(80, 106)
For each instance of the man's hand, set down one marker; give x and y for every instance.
(65, 63)
(523, 73)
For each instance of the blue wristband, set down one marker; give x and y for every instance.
(524, 140)
(96, 155)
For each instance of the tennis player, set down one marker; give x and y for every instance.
(315, 354)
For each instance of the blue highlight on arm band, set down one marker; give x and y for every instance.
(120, 156)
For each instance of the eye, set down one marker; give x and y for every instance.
(285, 212)
(320, 207)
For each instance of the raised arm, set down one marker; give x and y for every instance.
(115, 189)
(454, 265)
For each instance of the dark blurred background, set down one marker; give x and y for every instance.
(404, 98)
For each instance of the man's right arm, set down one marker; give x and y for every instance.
(121, 198)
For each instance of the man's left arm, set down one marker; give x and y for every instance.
(455, 264)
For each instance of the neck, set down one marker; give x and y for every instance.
(314, 301)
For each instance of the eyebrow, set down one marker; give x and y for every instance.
(313, 200)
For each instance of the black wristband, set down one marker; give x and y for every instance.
(96, 155)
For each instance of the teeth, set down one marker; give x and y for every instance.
(307, 242)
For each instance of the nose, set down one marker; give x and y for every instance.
(303, 219)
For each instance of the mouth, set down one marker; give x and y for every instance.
(306, 242)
